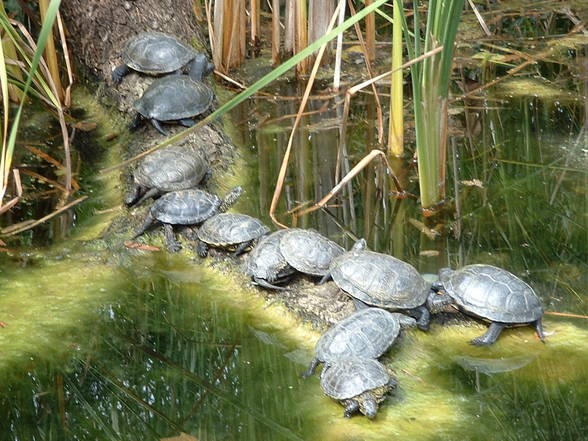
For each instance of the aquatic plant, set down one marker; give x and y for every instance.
(24, 58)
(430, 88)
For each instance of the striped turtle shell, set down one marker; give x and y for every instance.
(350, 377)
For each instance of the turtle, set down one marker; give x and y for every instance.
(492, 294)
(266, 264)
(174, 98)
(383, 281)
(168, 169)
(153, 53)
(359, 384)
(228, 230)
(185, 207)
(308, 251)
(366, 333)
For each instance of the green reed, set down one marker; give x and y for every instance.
(430, 84)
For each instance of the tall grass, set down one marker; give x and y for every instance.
(430, 84)
(41, 82)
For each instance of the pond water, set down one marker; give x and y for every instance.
(149, 347)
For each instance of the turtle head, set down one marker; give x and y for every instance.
(200, 67)
(360, 245)
(230, 198)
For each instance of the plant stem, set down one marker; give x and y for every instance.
(396, 127)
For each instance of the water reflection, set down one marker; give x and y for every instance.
(165, 357)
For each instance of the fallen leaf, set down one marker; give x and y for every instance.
(473, 183)
(2, 325)
(2, 243)
(138, 246)
(429, 253)
(181, 437)
(86, 126)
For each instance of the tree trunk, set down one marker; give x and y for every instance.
(97, 29)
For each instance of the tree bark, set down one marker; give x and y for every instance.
(97, 29)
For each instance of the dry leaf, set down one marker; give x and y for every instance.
(431, 234)
(429, 253)
(473, 183)
(181, 437)
(2, 243)
(2, 325)
(138, 246)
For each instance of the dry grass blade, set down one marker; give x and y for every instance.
(284, 166)
(11, 203)
(42, 178)
(352, 173)
(34, 223)
(480, 18)
(52, 161)
(70, 79)
(566, 314)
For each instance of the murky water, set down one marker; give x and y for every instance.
(163, 345)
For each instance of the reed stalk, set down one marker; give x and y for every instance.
(301, 40)
(254, 20)
(370, 33)
(290, 23)
(275, 32)
(396, 123)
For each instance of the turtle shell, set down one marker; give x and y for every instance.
(228, 229)
(265, 260)
(156, 53)
(492, 293)
(350, 377)
(366, 333)
(379, 280)
(174, 97)
(185, 207)
(309, 251)
(172, 168)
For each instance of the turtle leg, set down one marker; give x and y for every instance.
(149, 221)
(151, 193)
(539, 330)
(137, 122)
(134, 194)
(119, 72)
(186, 122)
(423, 318)
(359, 305)
(351, 407)
(206, 178)
(242, 247)
(490, 336)
(325, 278)
(158, 127)
(202, 248)
(173, 245)
(369, 407)
(313, 364)
(268, 285)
